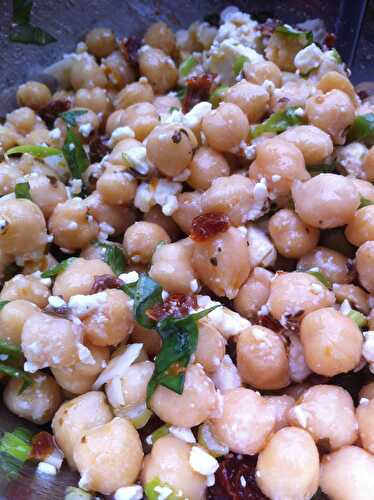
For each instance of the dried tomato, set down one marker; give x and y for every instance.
(43, 445)
(268, 321)
(129, 48)
(208, 225)
(236, 480)
(105, 281)
(330, 40)
(176, 305)
(98, 149)
(198, 89)
(50, 112)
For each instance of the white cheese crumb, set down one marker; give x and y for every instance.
(85, 355)
(46, 281)
(308, 58)
(130, 277)
(121, 133)
(243, 482)
(210, 480)
(30, 367)
(316, 288)
(163, 492)
(170, 206)
(55, 301)
(75, 186)
(45, 468)
(194, 286)
(134, 492)
(85, 129)
(276, 178)
(202, 462)
(164, 295)
(345, 308)
(55, 133)
(194, 117)
(364, 401)
(182, 433)
(82, 305)
(299, 112)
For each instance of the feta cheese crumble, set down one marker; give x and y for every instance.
(202, 462)
(134, 492)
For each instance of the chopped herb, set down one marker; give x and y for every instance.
(57, 269)
(70, 117)
(365, 202)
(24, 31)
(172, 109)
(157, 434)
(238, 64)
(147, 293)
(305, 37)
(13, 351)
(188, 65)
(152, 488)
(278, 122)
(22, 190)
(358, 318)
(218, 95)
(323, 168)
(75, 155)
(13, 372)
(336, 56)
(35, 151)
(3, 303)
(362, 129)
(322, 278)
(73, 493)
(15, 450)
(114, 257)
(181, 93)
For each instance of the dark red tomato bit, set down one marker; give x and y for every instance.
(268, 321)
(176, 305)
(129, 48)
(105, 281)
(208, 225)
(53, 109)
(43, 445)
(236, 480)
(98, 148)
(198, 89)
(330, 40)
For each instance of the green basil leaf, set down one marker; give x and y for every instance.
(336, 56)
(75, 155)
(238, 64)
(153, 487)
(364, 202)
(278, 122)
(147, 294)
(22, 11)
(188, 65)
(15, 450)
(3, 303)
(362, 129)
(22, 190)
(173, 108)
(359, 318)
(58, 268)
(305, 37)
(181, 93)
(35, 151)
(322, 278)
(26, 33)
(13, 372)
(70, 117)
(322, 168)
(12, 350)
(114, 257)
(130, 289)
(218, 95)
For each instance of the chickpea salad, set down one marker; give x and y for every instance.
(187, 266)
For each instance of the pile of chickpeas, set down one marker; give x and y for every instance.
(289, 331)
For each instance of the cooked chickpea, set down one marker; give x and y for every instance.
(288, 467)
(79, 277)
(163, 103)
(246, 421)
(12, 318)
(8, 138)
(326, 201)
(159, 68)
(95, 99)
(280, 405)
(35, 95)
(334, 80)
(364, 265)
(369, 165)
(365, 418)
(118, 217)
(156, 216)
(233, 195)
(28, 288)
(254, 293)
(37, 347)
(225, 127)
(160, 36)
(355, 295)
(76, 416)
(189, 207)
(86, 73)
(280, 163)
(118, 71)
(141, 117)
(261, 71)
(332, 112)
(214, 265)
(79, 378)
(332, 264)
(116, 186)
(348, 474)
(293, 292)
(133, 93)
(361, 227)
(116, 156)
(190, 408)
(46, 192)
(210, 347)
(141, 239)
(22, 119)
(313, 142)
(22, 227)
(332, 342)
(252, 99)
(100, 42)
(37, 403)
(365, 188)
(367, 391)
(169, 461)
(206, 165)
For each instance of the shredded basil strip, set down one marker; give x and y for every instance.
(153, 487)
(306, 37)
(13, 372)
(75, 155)
(218, 95)
(278, 122)
(322, 278)
(15, 450)
(70, 117)
(35, 151)
(147, 294)
(3, 303)
(323, 168)
(22, 190)
(188, 65)
(362, 129)
(12, 350)
(58, 268)
(365, 202)
(114, 257)
(24, 31)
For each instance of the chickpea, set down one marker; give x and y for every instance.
(141, 117)
(210, 347)
(252, 99)
(163, 103)
(293, 292)
(213, 263)
(313, 142)
(233, 196)
(169, 461)
(364, 265)
(355, 295)
(22, 227)
(159, 68)
(46, 192)
(225, 127)
(95, 99)
(172, 267)
(261, 71)
(189, 207)
(22, 119)
(86, 73)
(122, 146)
(35, 95)
(150, 339)
(365, 414)
(332, 264)
(79, 378)
(118, 71)
(332, 112)
(326, 201)
(141, 239)
(280, 163)
(367, 391)
(101, 42)
(160, 36)
(368, 165)
(111, 322)
(348, 473)
(133, 93)
(29, 288)
(12, 318)
(246, 421)
(365, 188)
(282, 50)
(37, 347)
(280, 405)
(254, 293)
(38, 402)
(116, 186)
(8, 138)
(170, 148)
(206, 165)
(76, 416)
(361, 227)
(43, 263)
(288, 467)
(118, 217)
(226, 377)
(334, 80)
(115, 120)
(156, 216)
(78, 277)
(332, 342)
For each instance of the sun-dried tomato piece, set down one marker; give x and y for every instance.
(129, 48)
(105, 281)
(98, 149)
(208, 225)
(176, 305)
(268, 321)
(43, 445)
(330, 40)
(53, 109)
(198, 89)
(236, 480)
